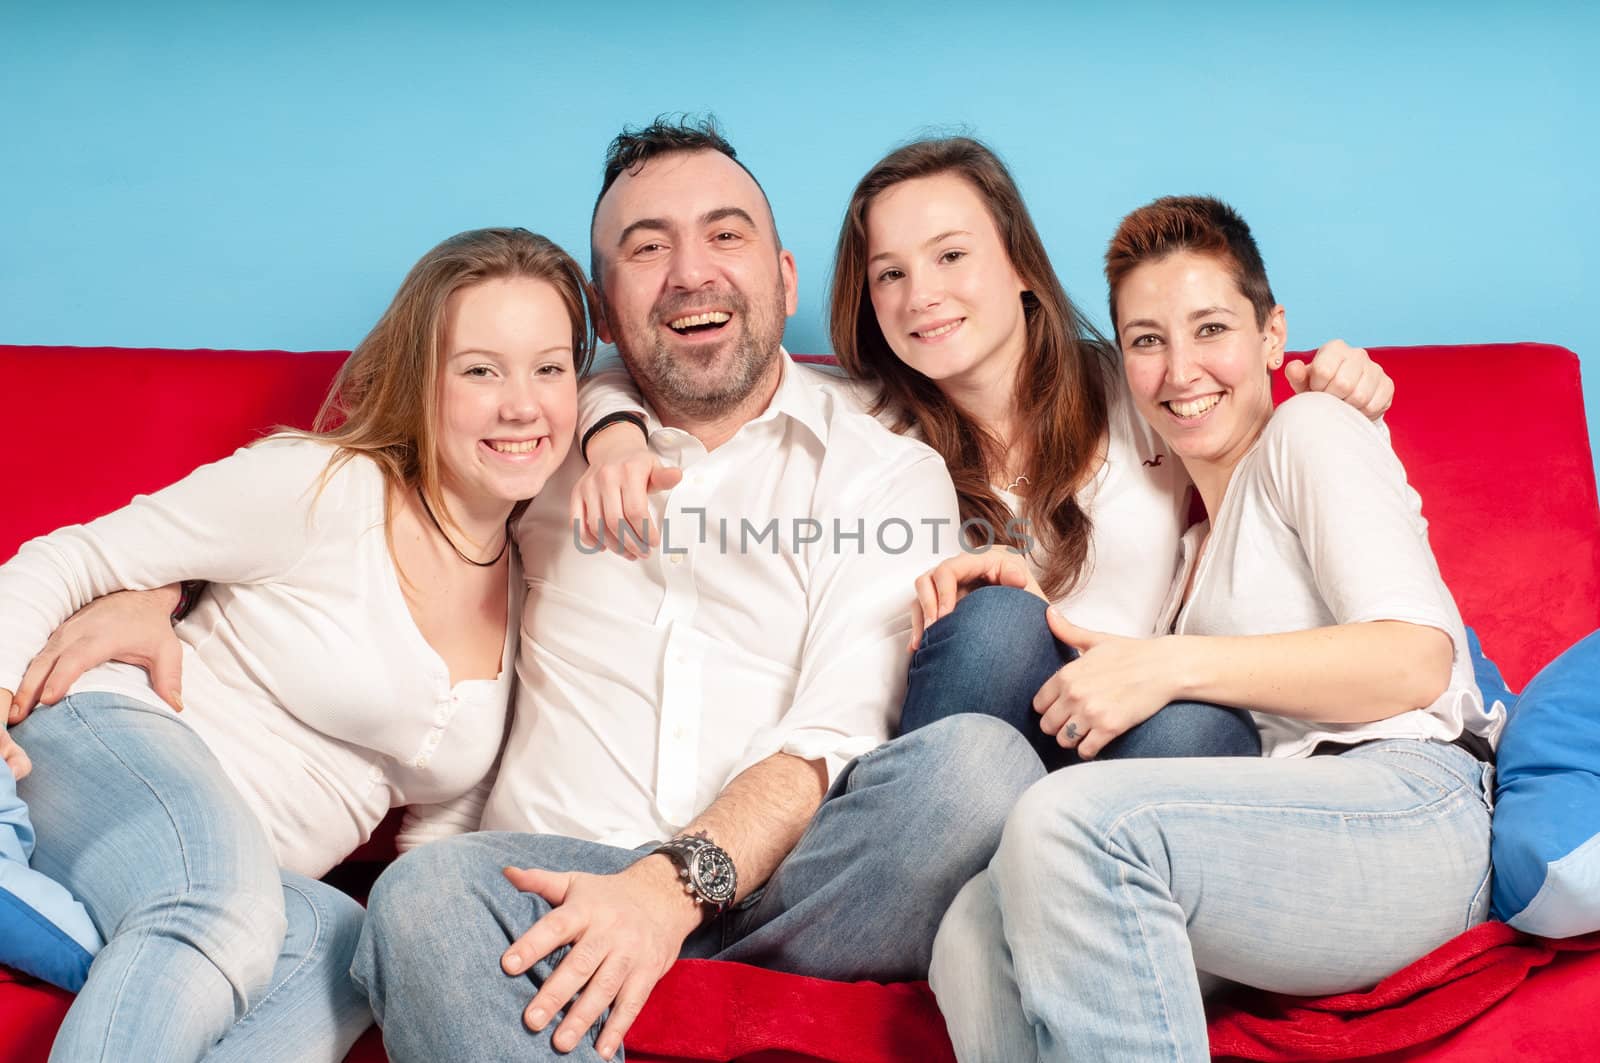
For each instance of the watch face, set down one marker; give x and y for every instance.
(713, 875)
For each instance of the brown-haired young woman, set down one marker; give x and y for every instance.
(354, 652)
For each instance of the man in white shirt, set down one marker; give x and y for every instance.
(732, 692)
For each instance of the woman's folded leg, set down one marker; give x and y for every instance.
(135, 816)
(993, 653)
(1120, 885)
(311, 1011)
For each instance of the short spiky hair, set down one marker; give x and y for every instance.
(1200, 224)
(669, 134)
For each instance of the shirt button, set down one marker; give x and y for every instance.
(677, 559)
(420, 762)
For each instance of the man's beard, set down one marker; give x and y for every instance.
(717, 382)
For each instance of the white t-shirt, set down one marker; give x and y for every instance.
(1138, 505)
(1137, 501)
(302, 668)
(773, 618)
(1319, 527)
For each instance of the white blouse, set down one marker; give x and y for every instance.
(1138, 506)
(303, 670)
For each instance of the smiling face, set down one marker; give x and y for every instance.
(694, 286)
(948, 299)
(507, 391)
(1196, 360)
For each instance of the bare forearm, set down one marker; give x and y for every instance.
(761, 814)
(1351, 673)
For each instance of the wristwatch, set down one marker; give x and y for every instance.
(706, 869)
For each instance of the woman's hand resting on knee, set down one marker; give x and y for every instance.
(1115, 684)
(134, 627)
(943, 586)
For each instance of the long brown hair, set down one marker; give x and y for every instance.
(384, 401)
(1061, 387)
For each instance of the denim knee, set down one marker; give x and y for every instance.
(1061, 829)
(405, 905)
(1189, 729)
(424, 900)
(989, 657)
(239, 928)
(993, 607)
(962, 775)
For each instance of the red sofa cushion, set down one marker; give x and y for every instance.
(1507, 485)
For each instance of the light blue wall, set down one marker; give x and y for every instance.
(261, 176)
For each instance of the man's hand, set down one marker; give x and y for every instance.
(625, 931)
(941, 587)
(11, 753)
(615, 492)
(1115, 684)
(1346, 373)
(134, 627)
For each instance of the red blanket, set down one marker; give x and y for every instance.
(1409, 1013)
(704, 1010)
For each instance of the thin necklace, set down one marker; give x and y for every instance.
(480, 564)
(1014, 484)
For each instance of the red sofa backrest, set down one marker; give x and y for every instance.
(1493, 437)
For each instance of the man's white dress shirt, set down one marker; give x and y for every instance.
(645, 687)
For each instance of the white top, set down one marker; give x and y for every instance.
(302, 668)
(1137, 502)
(1138, 505)
(646, 686)
(1319, 527)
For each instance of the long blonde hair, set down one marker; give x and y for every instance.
(383, 403)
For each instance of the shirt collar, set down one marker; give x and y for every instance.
(797, 398)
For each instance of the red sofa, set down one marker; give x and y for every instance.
(1494, 439)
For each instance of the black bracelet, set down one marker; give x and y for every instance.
(606, 422)
(188, 597)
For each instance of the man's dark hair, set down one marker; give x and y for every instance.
(669, 134)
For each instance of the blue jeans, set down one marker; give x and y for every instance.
(993, 653)
(211, 952)
(860, 896)
(1120, 889)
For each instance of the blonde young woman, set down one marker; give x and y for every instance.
(354, 652)
(947, 313)
(1309, 596)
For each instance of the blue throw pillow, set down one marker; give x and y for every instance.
(1490, 683)
(1547, 800)
(43, 931)
(34, 945)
